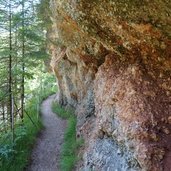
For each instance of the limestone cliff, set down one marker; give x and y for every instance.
(112, 60)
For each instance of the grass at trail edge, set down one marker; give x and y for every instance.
(71, 144)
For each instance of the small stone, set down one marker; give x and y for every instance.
(166, 130)
(154, 137)
(163, 119)
(168, 93)
(163, 45)
(160, 154)
(101, 134)
(145, 134)
(118, 151)
(114, 134)
(114, 99)
(124, 9)
(161, 75)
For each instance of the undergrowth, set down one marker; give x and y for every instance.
(14, 156)
(71, 143)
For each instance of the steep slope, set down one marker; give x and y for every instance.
(112, 60)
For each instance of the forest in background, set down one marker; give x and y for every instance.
(24, 81)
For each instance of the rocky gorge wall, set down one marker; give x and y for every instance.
(112, 60)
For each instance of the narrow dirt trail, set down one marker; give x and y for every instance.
(45, 155)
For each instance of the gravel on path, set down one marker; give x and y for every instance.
(46, 152)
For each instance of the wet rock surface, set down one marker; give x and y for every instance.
(112, 60)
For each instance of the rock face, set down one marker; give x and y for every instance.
(112, 60)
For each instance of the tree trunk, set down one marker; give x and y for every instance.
(10, 64)
(23, 63)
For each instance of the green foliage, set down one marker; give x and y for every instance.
(44, 13)
(15, 156)
(71, 144)
(28, 44)
(20, 53)
(43, 83)
(61, 112)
